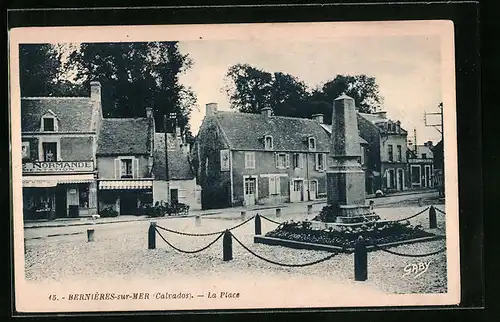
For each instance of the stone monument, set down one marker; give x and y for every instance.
(345, 177)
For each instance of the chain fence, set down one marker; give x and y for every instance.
(444, 213)
(190, 251)
(205, 234)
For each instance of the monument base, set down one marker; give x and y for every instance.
(355, 213)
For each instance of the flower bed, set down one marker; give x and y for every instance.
(346, 236)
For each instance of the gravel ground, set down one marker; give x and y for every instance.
(122, 253)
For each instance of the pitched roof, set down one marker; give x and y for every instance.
(74, 113)
(179, 167)
(123, 136)
(159, 168)
(328, 128)
(246, 131)
(378, 121)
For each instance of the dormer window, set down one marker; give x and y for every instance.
(312, 144)
(268, 142)
(49, 122)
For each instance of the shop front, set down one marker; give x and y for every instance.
(47, 195)
(125, 197)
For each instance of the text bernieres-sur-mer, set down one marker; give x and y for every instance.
(147, 296)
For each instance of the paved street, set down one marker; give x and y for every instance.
(287, 209)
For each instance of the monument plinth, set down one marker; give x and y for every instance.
(345, 177)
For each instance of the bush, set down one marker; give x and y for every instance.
(327, 214)
(177, 208)
(108, 212)
(346, 236)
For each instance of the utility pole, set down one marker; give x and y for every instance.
(415, 140)
(439, 126)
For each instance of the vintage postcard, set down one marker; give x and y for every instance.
(234, 166)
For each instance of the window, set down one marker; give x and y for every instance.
(83, 191)
(282, 160)
(249, 160)
(268, 142)
(26, 150)
(312, 144)
(297, 160)
(415, 174)
(391, 156)
(320, 161)
(391, 179)
(48, 123)
(274, 185)
(49, 151)
(424, 155)
(127, 168)
(400, 154)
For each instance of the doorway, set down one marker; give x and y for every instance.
(400, 179)
(250, 195)
(313, 189)
(297, 191)
(128, 203)
(428, 179)
(174, 196)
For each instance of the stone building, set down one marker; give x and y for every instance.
(174, 181)
(245, 159)
(59, 142)
(421, 165)
(125, 163)
(387, 166)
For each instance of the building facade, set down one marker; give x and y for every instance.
(246, 159)
(421, 165)
(175, 181)
(125, 163)
(59, 143)
(387, 166)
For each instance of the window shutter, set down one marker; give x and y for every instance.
(316, 161)
(135, 168)
(252, 157)
(324, 161)
(278, 185)
(276, 157)
(287, 160)
(117, 169)
(272, 185)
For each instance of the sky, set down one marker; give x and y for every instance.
(407, 69)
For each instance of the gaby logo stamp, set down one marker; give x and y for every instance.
(416, 268)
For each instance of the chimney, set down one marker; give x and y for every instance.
(318, 118)
(211, 109)
(266, 111)
(149, 112)
(95, 91)
(398, 126)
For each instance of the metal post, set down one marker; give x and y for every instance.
(227, 246)
(360, 260)
(197, 220)
(90, 235)
(432, 217)
(309, 209)
(258, 230)
(278, 212)
(152, 236)
(243, 215)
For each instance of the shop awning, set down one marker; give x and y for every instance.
(52, 181)
(125, 184)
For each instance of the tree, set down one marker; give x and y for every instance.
(38, 70)
(134, 76)
(249, 88)
(363, 89)
(289, 96)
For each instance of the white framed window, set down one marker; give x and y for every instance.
(274, 185)
(297, 161)
(126, 168)
(50, 151)
(49, 122)
(320, 161)
(390, 152)
(268, 142)
(249, 160)
(311, 143)
(26, 150)
(282, 160)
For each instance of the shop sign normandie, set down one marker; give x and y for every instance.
(59, 166)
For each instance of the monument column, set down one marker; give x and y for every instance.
(345, 177)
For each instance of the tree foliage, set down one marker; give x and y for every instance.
(133, 76)
(250, 89)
